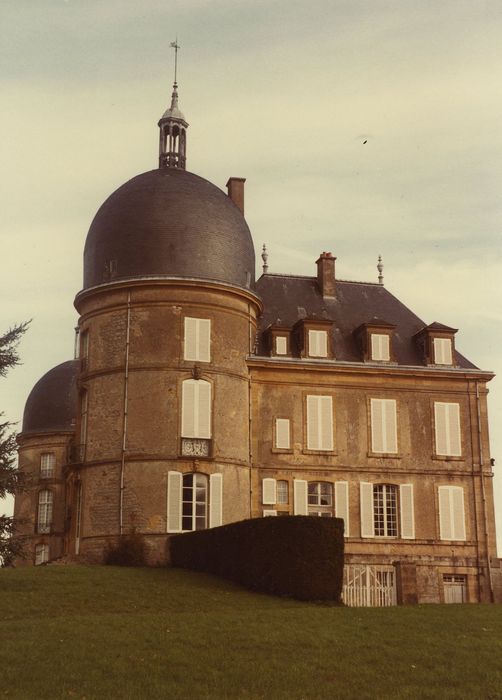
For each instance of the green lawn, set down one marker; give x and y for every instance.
(106, 632)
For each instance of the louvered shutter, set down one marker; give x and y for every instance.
(215, 500)
(442, 351)
(300, 497)
(204, 340)
(440, 424)
(458, 513)
(445, 515)
(407, 512)
(390, 426)
(190, 344)
(342, 503)
(377, 436)
(269, 492)
(313, 344)
(281, 346)
(322, 343)
(367, 520)
(188, 408)
(312, 422)
(383, 426)
(453, 428)
(326, 422)
(174, 490)
(203, 409)
(379, 346)
(282, 439)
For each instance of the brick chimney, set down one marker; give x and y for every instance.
(235, 186)
(326, 274)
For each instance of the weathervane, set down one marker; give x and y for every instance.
(175, 46)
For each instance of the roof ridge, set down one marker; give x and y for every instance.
(314, 279)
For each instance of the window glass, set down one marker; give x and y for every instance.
(385, 510)
(282, 492)
(45, 499)
(41, 554)
(195, 502)
(320, 498)
(47, 464)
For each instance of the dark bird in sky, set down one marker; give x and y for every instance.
(365, 141)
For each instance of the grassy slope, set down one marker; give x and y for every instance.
(104, 632)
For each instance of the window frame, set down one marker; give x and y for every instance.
(193, 502)
(197, 355)
(389, 502)
(372, 423)
(198, 404)
(448, 438)
(380, 336)
(438, 351)
(45, 511)
(47, 471)
(319, 400)
(45, 553)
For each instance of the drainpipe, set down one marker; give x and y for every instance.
(483, 493)
(124, 431)
(474, 492)
(250, 424)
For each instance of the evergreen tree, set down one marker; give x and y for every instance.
(10, 478)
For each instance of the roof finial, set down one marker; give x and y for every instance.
(380, 270)
(264, 257)
(172, 140)
(175, 46)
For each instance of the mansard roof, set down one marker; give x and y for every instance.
(289, 298)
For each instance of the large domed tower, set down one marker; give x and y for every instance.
(168, 315)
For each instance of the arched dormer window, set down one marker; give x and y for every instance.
(44, 519)
(196, 405)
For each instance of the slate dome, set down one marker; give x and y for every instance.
(169, 222)
(52, 404)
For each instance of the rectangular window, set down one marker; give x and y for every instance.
(41, 554)
(268, 513)
(380, 347)
(282, 492)
(269, 492)
(320, 499)
(281, 345)
(83, 417)
(197, 346)
(84, 345)
(196, 409)
(383, 426)
(451, 513)
(442, 351)
(282, 434)
(47, 464)
(447, 428)
(319, 423)
(385, 510)
(318, 344)
(44, 520)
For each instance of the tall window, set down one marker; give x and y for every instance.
(318, 344)
(41, 554)
(84, 345)
(194, 501)
(320, 498)
(447, 429)
(442, 351)
(196, 409)
(387, 510)
(282, 434)
(319, 423)
(451, 513)
(282, 492)
(44, 521)
(197, 344)
(83, 417)
(383, 426)
(47, 464)
(380, 347)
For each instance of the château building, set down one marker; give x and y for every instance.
(201, 397)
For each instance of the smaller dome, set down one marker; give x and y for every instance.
(52, 404)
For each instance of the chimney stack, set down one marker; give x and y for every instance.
(235, 186)
(326, 274)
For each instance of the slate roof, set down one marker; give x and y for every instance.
(289, 298)
(52, 403)
(169, 222)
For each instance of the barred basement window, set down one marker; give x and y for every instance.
(44, 520)
(47, 464)
(41, 554)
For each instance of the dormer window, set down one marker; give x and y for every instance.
(442, 351)
(380, 347)
(277, 339)
(318, 343)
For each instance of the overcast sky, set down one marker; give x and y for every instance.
(283, 93)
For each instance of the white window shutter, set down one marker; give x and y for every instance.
(313, 423)
(367, 520)
(440, 424)
(267, 513)
(326, 422)
(300, 497)
(188, 398)
(458, 512)
(322, 343)
(453, 427)
(442, 351)
(390, 426)
(204, 409)
(174, 489)
(281, 346)
(342, 503)
(215, 500)
(282, 433)
(377, 436)
(407, 512)
(204, 340)
(380, 346)
(445, 514)
(269, 492)
(190, 341)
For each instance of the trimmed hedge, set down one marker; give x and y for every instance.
(295, 555)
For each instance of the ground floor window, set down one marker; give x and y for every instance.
(41, 554)
(320, 499)
(385, 510)
(194, 501)
(195, 491)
